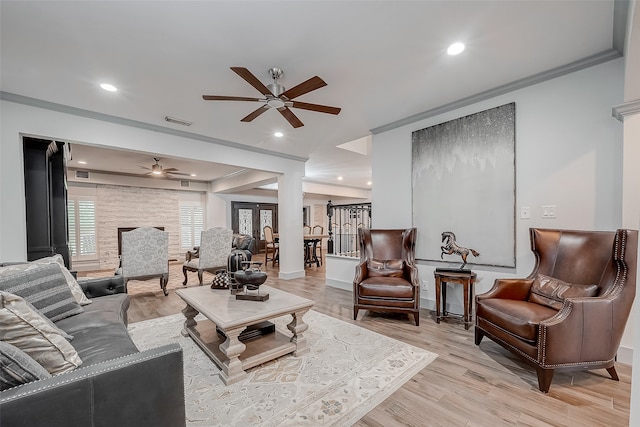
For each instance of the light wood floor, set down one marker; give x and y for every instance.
(466, 385)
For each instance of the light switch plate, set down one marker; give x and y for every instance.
(549, 211)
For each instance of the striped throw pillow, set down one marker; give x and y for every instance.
(45, 288)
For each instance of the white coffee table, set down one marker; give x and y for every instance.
(232, 316)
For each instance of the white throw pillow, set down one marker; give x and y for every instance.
(25, 328)
(76, 290)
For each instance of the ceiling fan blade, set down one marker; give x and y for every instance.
(169, 169)
(229, 98)
(252, 80)
(178, 173)
(255, 114)
(316, 107)
(291, 118)
(305, 87)
(144, 167)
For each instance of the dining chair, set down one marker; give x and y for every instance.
(318, 230)
(270, 245)
(306, 230)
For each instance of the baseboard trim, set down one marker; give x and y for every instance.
(625, 356)
(347, 286)
(289, 275)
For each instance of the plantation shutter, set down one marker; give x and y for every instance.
(191, 225)
(71, 221)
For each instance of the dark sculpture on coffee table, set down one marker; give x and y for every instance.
(251, 279)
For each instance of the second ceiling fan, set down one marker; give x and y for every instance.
(275, 96)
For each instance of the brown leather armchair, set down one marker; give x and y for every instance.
(387, 278)
(570, 312)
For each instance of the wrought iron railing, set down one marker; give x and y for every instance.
(344, 221)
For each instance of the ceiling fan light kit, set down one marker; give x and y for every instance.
(275, 96)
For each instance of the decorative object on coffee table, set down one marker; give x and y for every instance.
(251, 279)
(451, 247)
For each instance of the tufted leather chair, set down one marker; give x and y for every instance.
(570, 312)
(386, 278)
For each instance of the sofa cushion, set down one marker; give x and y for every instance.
(76, 291)
(100, 333)
(520, 318)
(17, 367)
(103, 311)
(552, 292)
(25, 328)
(45, 287)
(385, 288)
(386, 268)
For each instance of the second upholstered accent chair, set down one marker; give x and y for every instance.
(571, 311)
(213, 253)
(386, 278)
(145, 255)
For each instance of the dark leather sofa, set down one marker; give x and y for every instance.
(117, 385)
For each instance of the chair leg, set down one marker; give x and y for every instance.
(544, 379)
(478, 335)
(416, 318)
(164, 279)
(184, 271)
(613, 373)
(200, 277)
(355, 313)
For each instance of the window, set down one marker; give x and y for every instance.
(191, 225)
(81, 216)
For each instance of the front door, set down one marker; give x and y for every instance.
(251, 218)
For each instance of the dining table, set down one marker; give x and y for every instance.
(311, 242)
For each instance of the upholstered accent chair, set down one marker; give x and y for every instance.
(571, 311)
(386, 278)
(213, 254)
(270, 246)
(145, 255)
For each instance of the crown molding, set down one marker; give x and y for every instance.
(626, 109)
(61, 108)
(572, 67)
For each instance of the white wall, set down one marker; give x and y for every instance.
(568, 154)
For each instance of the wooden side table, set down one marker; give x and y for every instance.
(465, 279)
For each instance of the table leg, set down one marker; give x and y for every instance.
(232, 348)
(189, 314)
(438, 284)
(466, 286)
(297, 327)
(444, 298)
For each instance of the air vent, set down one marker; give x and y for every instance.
(82, 174)
(184, 183)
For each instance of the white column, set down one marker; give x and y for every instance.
(290, 223)
(630, 179)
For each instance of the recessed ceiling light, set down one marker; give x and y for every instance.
(193, 174)
(368, 182)
(108, 87)
(455, 48)
(339, 178)
(82, 162)
(278, 134)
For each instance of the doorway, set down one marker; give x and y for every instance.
(251, 218)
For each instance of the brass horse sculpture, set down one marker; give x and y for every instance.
(451, 247)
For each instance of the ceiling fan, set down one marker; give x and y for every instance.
(275, 96)
(157, 170)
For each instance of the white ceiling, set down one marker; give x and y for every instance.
(383, 61)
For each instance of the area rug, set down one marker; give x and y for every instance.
(348, 371)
